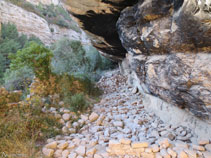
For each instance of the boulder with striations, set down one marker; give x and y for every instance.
(169, 51)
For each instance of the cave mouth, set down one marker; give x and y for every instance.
(101, 22)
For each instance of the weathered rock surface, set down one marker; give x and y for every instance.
(46, 2)
(31, 24)
(169, 45)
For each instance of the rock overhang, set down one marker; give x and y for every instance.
(98, 18)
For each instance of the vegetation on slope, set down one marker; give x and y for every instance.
(73, 58)
(10, 43)
(59, 73)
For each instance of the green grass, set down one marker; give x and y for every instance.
(77, 102)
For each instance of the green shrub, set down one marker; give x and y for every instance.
(62, 23)
(9, 31)
(2, 67)
(18, 79)
(11, 42)
(73, 58)
(33, 39)
(36, 57)
(69, 57)
(77, 102)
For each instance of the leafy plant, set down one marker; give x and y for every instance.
(73, 58)
(2, 67)
(69, 57)
(11, 42)
(18, 79)
(77, 102)
(36, 57)
(62, 23)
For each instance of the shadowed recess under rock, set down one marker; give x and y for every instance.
(100, 21)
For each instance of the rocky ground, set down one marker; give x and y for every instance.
(119, 127)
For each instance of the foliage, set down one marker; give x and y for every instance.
(2, 67)
(9, 31)
(107, 64)
(18, 79)
(64, 86)
(8, 97)
(73, 58)
(36, 57)
(62, 23)
(69, 57)
(11, 42)
(57, 15)
(21, 127)
(77, 102)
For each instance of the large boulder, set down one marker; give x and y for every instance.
(169, 51)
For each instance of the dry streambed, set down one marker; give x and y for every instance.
(119, 126)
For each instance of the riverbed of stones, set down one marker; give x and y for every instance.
(119, 127)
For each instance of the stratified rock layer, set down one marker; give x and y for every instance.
(169, 45)
(31, 24)
(46, 2)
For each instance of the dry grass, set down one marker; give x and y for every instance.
(24, 129)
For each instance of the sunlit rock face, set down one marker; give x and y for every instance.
(98, 18)
(169, 51)
(46, 2)
(30, 24)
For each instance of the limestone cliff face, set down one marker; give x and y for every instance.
(169, 51)
(31, 24)
(46, 2)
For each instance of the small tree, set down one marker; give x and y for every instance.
(34, 56)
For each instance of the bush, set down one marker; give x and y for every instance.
(73, 58)
(2, 67)
(11, 42)
(36, 57)
(77, 102)
(7, 97)
(18, 79)
(69, 57)
(9, 31)
(62, 23)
